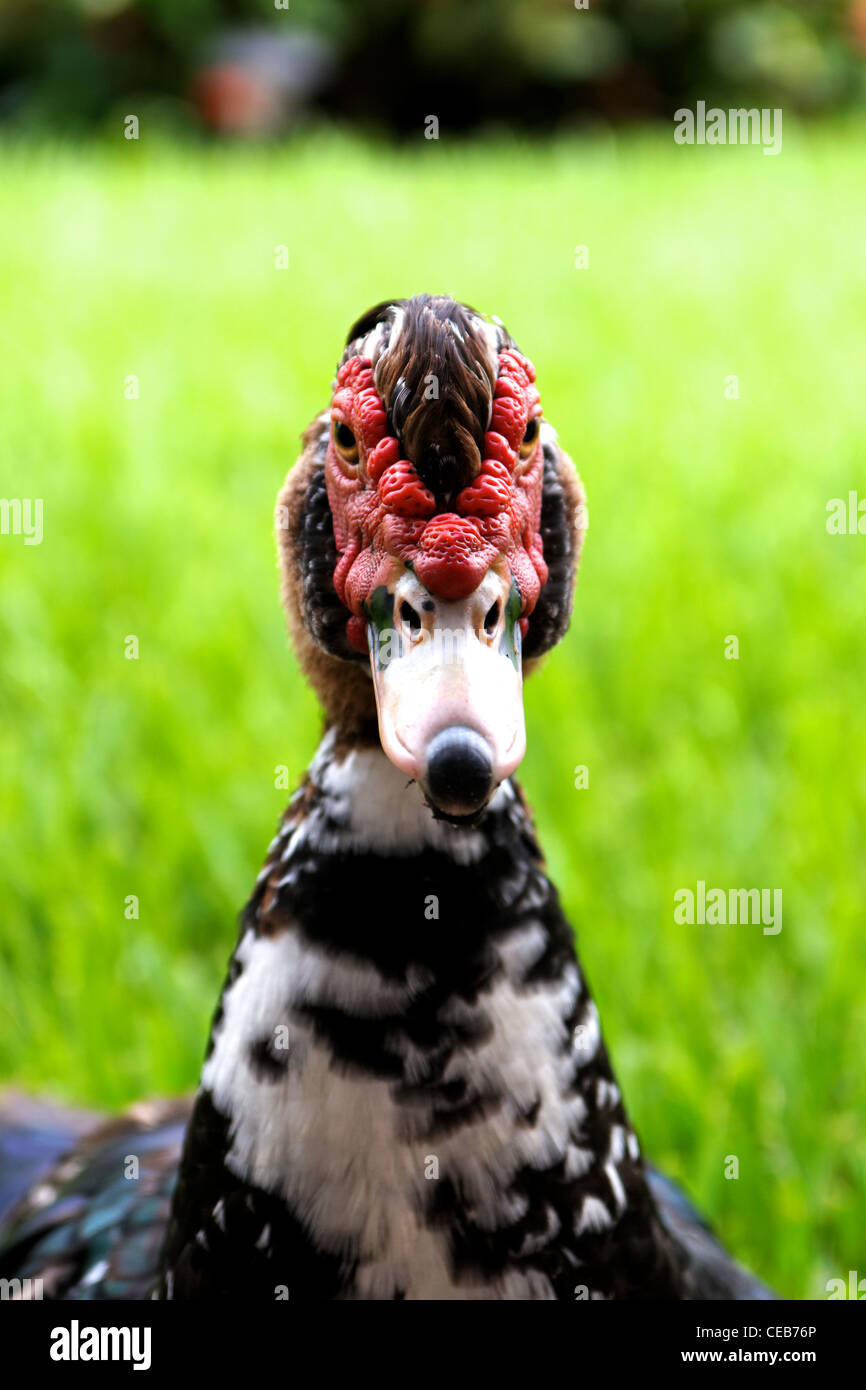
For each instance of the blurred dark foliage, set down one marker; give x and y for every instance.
(254, 66)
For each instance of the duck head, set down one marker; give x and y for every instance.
(429, 538)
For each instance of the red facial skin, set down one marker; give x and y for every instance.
(382, 511)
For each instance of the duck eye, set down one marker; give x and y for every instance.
(347, 444)
(530, 437)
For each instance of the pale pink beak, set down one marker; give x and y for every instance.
(449, 688)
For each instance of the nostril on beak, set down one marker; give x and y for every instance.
(459, 771)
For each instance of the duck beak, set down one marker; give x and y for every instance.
(449, 688)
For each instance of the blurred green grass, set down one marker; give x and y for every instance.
(156, 777)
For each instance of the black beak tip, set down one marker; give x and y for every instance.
(459, 777)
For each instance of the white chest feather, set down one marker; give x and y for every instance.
(339, 1148)
(349, 1148)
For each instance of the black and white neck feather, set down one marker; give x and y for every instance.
(406, 1093)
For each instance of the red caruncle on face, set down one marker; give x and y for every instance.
(384, 516)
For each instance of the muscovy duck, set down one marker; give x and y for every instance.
(405, 1094)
